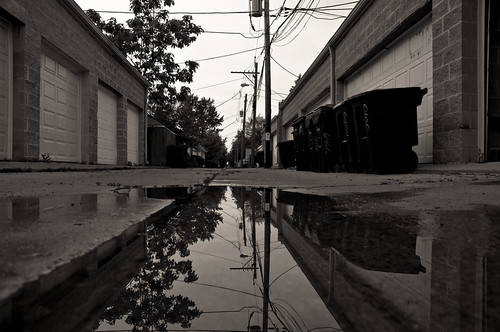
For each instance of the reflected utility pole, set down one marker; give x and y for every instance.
(267, 256)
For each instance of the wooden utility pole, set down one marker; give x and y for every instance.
(267, 64)
(254, 105)
(254, 111)
(243, 131)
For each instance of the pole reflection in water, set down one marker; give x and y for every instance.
(202, 276)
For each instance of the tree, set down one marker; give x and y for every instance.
(216, 155)
(194, 117)
(147, 40)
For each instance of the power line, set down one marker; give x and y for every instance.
(233, 33)
(276, 62)
(225, 55)
(217, 84)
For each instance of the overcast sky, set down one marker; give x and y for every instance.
(213, 79)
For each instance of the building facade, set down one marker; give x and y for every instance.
(449, 47)
(66, 93)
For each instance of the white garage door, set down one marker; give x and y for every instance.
(107, 131)
(406, 64)
(133, 123)
(5, 92)
(59, 114)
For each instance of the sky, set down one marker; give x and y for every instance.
(232, 33)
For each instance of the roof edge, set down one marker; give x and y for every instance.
(78, 13)
(351, 19)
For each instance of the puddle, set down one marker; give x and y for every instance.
(250, 259)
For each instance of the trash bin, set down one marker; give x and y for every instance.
(312, 144)
(324, 121)
(346, 140)
(385, 129)
(177, 156)
(286, 153)
(301, 143)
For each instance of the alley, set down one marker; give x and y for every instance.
(395, 243)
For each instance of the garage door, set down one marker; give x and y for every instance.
(406, 64)
(5, 92)
(133, 123)
(107, 114)
(59, 114)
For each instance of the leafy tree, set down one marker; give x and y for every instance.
(216, 155)
(147, 40)
(194, 117)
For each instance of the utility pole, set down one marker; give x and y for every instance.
(254, 104)
(254, 111)
(243, 131)
(267, 65)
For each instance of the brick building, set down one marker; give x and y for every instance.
(449, 47)
(66, 93)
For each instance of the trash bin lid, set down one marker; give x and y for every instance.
(309, 119)
(297, 122)
(411, 95)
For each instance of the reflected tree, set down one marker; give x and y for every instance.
(248, 198)
(147, 302)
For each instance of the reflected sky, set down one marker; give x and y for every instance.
(316, 263)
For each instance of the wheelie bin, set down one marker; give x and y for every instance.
(312, 142)
(286, 153)
(385, 129)
(324, 122)
(301, 141)
(346, 139)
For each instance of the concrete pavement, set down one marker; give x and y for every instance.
(60, 218)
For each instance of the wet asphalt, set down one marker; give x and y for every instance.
(56, 218)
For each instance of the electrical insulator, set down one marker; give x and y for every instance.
(256, 8)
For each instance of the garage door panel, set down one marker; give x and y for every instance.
(417, 74)
(401, 80)
(406, 64)
(107, 131)
(59, 116)
(133, 123)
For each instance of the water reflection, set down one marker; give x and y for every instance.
(387, 272)
(219, 265)
(245, 259)
(146, 303)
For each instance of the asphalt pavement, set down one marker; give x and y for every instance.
(58, 218)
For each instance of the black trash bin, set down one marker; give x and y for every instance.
(177, 156)
(346, 139)
(313, 144)
(301, 142)
(326, 139)
(385, 129)
(286, 153)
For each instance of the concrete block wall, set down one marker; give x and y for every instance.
(380, 24)
(455, 80)
(310, 88)
(61, 26)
